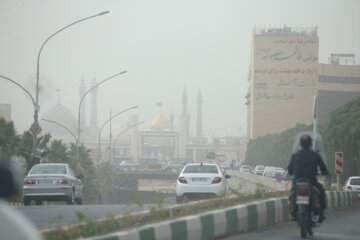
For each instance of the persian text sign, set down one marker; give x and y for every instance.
(339, 160)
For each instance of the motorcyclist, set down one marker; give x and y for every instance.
(304, 164)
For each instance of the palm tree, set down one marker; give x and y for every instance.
(25, 149)
(9, 141)
(84, 167)
(58, 152)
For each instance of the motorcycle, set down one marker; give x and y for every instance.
(307, 205)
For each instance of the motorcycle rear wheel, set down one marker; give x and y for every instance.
(303, 225)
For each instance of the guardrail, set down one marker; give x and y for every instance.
(238, 219)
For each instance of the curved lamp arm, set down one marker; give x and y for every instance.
(82, 98)
(134, 125)
(59, 124)
(24, 89)
(42, 46)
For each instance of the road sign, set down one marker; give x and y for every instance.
(339, 160)
(35, 129)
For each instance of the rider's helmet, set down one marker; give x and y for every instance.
(306, 141)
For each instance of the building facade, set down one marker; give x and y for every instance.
(285, 76)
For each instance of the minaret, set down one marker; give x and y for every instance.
(199, 116)
(185, 114)
(172, 118)
(93, 119)
(82, 90)
(184, 103)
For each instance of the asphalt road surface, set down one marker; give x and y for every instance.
(52, 216)
(338, 225)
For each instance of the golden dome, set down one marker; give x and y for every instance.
(160, 123)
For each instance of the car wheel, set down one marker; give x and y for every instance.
(71, 199)
(27, 201)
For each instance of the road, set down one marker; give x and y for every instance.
(52, 216)
(339, 225)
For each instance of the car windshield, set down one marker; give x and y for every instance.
(260, 168)
(355, 181)
(49, 169)
(201, 169)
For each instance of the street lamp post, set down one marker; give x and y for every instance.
(127, 129)
(37, 107)
(109, 120)
(82, 99)
(35, 126)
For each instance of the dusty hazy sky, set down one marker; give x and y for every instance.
(165, 45)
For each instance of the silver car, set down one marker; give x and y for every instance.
(52, 182)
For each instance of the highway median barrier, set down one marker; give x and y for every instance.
(228, 221)
(205, 219)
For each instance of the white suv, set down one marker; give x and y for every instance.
(199, 180)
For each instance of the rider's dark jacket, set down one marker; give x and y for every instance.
(305, 163)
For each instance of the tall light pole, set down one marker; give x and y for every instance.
(35, 128)
(37, 106)
(127, 129)
(109, 120)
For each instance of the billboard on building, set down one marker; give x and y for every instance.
(284, 81)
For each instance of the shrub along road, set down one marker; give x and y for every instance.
(52, 216)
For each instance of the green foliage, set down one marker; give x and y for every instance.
(26, 147)
(155, 214)
(83, 167)
(273, 149)
(58, 152)
(80, 215)
(9, 141)
(342, 134)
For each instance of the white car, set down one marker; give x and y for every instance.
(199, 180)
(259, 170)
(245, 168)
(52, 182)
(353, 184)
(270, 172)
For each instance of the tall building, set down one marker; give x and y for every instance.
(185, 122)
(5, 111)
(283, 79)
(339, 83)
(285, 75)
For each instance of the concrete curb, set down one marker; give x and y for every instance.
(238, 219)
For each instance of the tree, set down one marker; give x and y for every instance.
(58, 152)
(273, 149)
(9, 141)
(85, 168)
(26, 147)
(342, 134)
